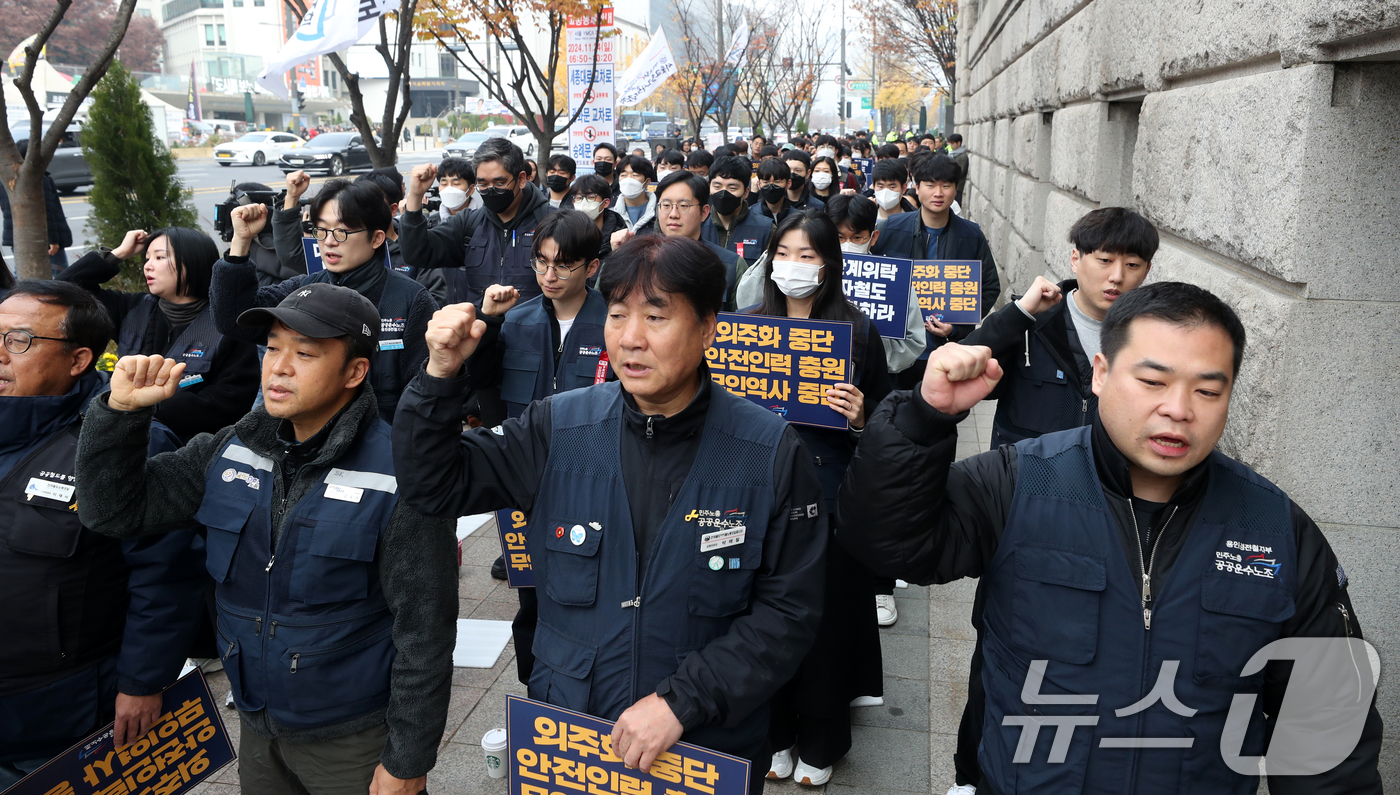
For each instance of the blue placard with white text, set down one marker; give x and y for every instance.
(783, 364)
(186, 745)
(949, 291)
(879, 287)
(866, 166)
(555, 750)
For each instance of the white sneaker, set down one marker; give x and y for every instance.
(810, 776)
(885, 611)
(901, 584)
(782, 765)
(962, 789)
(868, 701)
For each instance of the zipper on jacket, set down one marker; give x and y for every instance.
(272, 630)
(649, 430)
(257, 630)
(1147, 562)
(295, 657)
(633, 602)
(1346, 624)
(270, 561)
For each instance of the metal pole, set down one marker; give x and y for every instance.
(841, 101)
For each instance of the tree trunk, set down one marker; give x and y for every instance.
(31, 226)
(543, 141)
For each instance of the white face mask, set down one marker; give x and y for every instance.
(852, 247)
(452, 198)
(662, 172)
(589, 207)
(631, 188)
(845, 162)
(821, 180)
(796, 279)
(826, 152)
(886, 198)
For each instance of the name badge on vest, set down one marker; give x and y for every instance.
(191, 380)
(391, 345)
(719, 539)
(58, 492)
(343, 493)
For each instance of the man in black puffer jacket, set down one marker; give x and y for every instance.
(1133, 572)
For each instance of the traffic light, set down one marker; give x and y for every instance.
(848, 109)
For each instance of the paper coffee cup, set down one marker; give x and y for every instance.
(494, 744)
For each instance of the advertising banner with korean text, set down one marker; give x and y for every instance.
(558, 750)
(783, 365)
(512, 526)
(879, 287)
(949, 291)
(187, 744)
(596, 121)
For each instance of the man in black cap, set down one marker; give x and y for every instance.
(337, 604)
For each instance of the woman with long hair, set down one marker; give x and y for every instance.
(825, 178)
(811, 714)
(173, 319)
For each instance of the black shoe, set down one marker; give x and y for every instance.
(498, 568)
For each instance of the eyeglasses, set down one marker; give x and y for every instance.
(340, 235)
(19, 341)
(684, 207)
(499, 182)
(540, 265)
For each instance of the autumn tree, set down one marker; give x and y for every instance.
(921, 35)
(79, 38)
(383, 149)
(23, 176)
(526, 83)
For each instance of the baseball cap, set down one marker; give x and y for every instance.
(320, 310)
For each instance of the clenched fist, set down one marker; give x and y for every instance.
(418, 184)
(297, 183)
(499, 299)
(141, 381)
(959, 377)
(1042, 295)
(452, 337)
(248, 221)
(132, 244)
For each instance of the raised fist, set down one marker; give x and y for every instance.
(959, 377)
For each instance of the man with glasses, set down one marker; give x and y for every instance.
(351, 221)
(94, 628)
(486, 246)
(549, 344)
(682, 209)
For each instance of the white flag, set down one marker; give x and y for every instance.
(647, 72)
(738, 43)
(329, 26)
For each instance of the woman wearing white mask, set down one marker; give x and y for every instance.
(638, 205)
(811, 716)
(825, 178)
(593, 198)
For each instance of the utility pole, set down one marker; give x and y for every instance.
(841, 106)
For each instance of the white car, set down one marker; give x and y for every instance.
(517, 134)
(256, 148)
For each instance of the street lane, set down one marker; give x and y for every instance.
(210, 184)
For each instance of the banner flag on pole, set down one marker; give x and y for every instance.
(329, 26)
(647, 72)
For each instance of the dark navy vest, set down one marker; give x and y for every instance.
(527, 363)
(495, 256)
(196, 345)
(1041, 397)
(604, 640)
(1060, 589)
(306, 635)
(384, 366)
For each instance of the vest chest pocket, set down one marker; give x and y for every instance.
(1042, 399)
(519, 372)
(477, 248)
(224, 513)
(571, 562)
(722, 580)
(333, 561)
(44, 527)
(563, 670)
(1239, 617)
(582, 372)
(1056, 603)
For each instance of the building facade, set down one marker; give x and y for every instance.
(1263, 140)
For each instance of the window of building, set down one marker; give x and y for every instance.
(447, 65)
(237, 3)
(208, 35)
(222, 40)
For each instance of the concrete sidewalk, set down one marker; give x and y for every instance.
(904, 746)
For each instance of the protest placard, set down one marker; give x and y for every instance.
(879, 287)
(512, 526)
(783, 364)
(949, 291)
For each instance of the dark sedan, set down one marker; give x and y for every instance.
(333, 153)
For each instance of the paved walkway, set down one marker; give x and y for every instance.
(904, 746)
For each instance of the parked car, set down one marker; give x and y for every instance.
(256, 148)
(334, 153)
(68, 168)
(466, 145)
(518, 134)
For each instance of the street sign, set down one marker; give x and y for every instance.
(595, 122)
(857, 85)
(865, 103)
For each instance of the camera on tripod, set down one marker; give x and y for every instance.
(223, 212)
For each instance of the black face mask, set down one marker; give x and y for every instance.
(798, 182)
(772, 194)
(724, 202)
(557, 182)
(497, 199)
(603, 168)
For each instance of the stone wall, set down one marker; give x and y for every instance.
(1263, 140)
